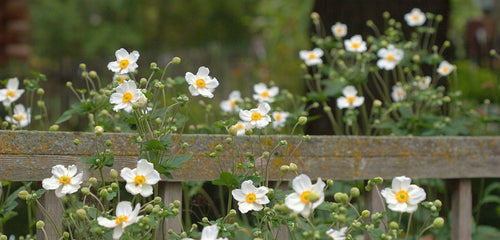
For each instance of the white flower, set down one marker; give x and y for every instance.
(21, 116)
(422, 83)
(398, 93)
(337, 235)
(389, 57)
(299, 200)
(125, 96)
(415, 18)
(339, 30)
(125, 217)
(279, 119)
(249, 197)
(11, 93)
(264, 94)
(120, 78)
(63, 180)
(201, 83)
(445, 68)
(231, 105)
(257, 117)
(209, 233)
(403, 197)
(125, 62)
(241, 127)
(355, 44)
(140, 180)
(312, 57)
(349, 100)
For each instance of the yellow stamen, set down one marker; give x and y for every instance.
(312, 56)
(201, 83)
(304, 197)
(445, 70)
(140, 179)
(121, 219)
(351, 99)
(339, 31)
(250, 198)
(18, 117)
(355, 45)
(256, 116)
(402, 196)
(65, 179)
(239, 126)
(277, 117)
(415, 17)
(10, 93)
(264, 94)
(390, 57)
(232, 103)
(124, 63)
(127, 97)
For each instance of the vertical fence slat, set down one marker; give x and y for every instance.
(53, 207)
(461, 207)
(373, 203)
(283, 231)
(169, 192)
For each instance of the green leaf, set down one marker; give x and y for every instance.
(226, 179)
(178, 160)
(75, 108)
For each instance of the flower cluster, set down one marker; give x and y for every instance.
(20, 117)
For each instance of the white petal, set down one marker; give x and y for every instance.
(133, 188)
(318, 52)
(146, 190)
(51, 183)
(13, 84)
(114, 67)
(411, 208)
(400, 183)
(389, 195)
(301, 183)
(398, 207)
(209, 232)
(193, 90)
(244, 207)
(273, 91)
(59, 193)
(358, 101)
(117, 232)
(259, 87)
(123, 208)
(58, 171)
(72, 170)
(293, 202)
(235, 95)
(248, 187)
(106, 222)
(128, 175)
(212, 83)
(306, 211)
(116, 98)
(134, 55)
(203, 72)
(349, 91)
(245, 115)
(76, 180)
(239, 195)
(261, 192)
(304, 54)
(190, 78)
(264, 108)
(121, 54)
(342, 103)
(416, 193)
(69, 188)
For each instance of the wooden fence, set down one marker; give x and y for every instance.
(29, 156)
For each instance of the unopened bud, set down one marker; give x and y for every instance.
(365, 214)
(98, 130)
(314, 197)
(377, 103)
(23, 194)
(293, 167)
(354, 192)
(81, 213)
(40, 224)
(40, 91)
(54, 127)
(284, 168)
(113, 174)
(69, 84)
(103, 193)
(83, 66)
(394, 225)
(176, 60)
(93, 180)
(92, 74)
(438, 222)
(329, 182)
(302, 120)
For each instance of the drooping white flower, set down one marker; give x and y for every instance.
(125, 96)
(445, 68)
(249, 197)
(299, 200)
(209, 233)
(422, 83)
(398, 93)
(264, 94)
(337, 235)
(140, 180)
(403, 196)
(415, 18)
(125, 217)
(257, 117)
(349, 100)
(389, 57)
(312, 57)
(21, 116)
(279, 119)
(125, 62)
(201, 83)
(63, 181)
(11, 93)
(231, 104)
(339, 30)
(355, 44)
(241, 127)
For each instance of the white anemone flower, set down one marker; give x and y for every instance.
(398, 93)
(312, 57)
(125, 96)
(422, 83)
(120, 78)
(337, 234)
(125, 62)
(125, 217)
(389, 57)
(415, 18)
(257, 117)
(63, 181)
(445, 68)
(339, 30)
(355, 44)
(140, 180)
(299, 200)
(279, 119)
(209, 233)
(201, 83)
(249, 197)
(231, 104)
(403, 196)
(21, 116)
(349, 100)
(11, 93)
(241, 127)
(264, 94)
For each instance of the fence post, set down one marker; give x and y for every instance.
(53, 207)
(461, 207)
(169, 192)
(373, 203)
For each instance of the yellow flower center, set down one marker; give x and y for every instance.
(256, 116)
(239, 126)
(415, 17)
(351, 99)
(201, 83)
(232, 103)
(402, 196)
(18, 117)
(264, 94)
(10, 93)
(140, 179)
(445, 70)
(251, 197)
(355, 45)
(127, 97)
(339, 31)
(401, 93)
(304, 197)
(121, 80)
(312, 56)
(277, 117)
(124, 63)
(65, 179)
(390, 57)
(121, 219)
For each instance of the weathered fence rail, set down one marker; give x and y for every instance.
(29, 156)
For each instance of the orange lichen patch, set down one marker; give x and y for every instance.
(357, 156)
(492, 143)
(406, 154)
(481, 144)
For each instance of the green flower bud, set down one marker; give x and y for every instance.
(493, 52)
(93, 180)
(81, 213)
(218, 148)
(93, 74)
(314, 197)
(283, 142)
(69, 84)
(148, 208)
(365, 214)
(205, 220)
(446, 99)
(85, 74)
(145, 220)
(438, 222)
(302, 120)
(54, 127)
(82, 66)
(329, 182)
(153, 65)
(177, 203)
(438, 203)
(394, 225)
(23, 194)
(233, 130)
(248, 131)
(156, 209)
(103, 193)
(439, 18)
(157, 200)
(232, 213)
(85, 191)
(433, 208)
(354, 192)
(284, 168)
(108, 143)
(175, 211)
(293, 167)
(40, 224)
(341, 218)
(40, 91)
(176, 60)
(293, 215)
(98, 130)
(340, 197)
(114, 186)
(5, 124)
(265, 154)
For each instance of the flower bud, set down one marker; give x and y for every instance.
(438, 203)
(175, 211)
(93, 74)
(354, 192)
(293, 167)
(85, 191)
(103, 193)
(81, 213)
(40, 91)
(143, 81)
(314, 197)
(493, 52)
(23, 194)
(394, 225)
(40, 224)
(54, 127)
(302, 120)
(176, 60)
(98, 130)
(265, 154)
(148, 208)
(248, 131)
(233, 130)
(157, 200)
(218, 148)
(205, 220)
(329, 182)
(82, 66)
(69, 84)
(156, 209)
(93, 180)
(283, 143)
(232, 213)
(438, 222)
(177, 203)
(153, 65)
(284, 168)
(113, 174)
